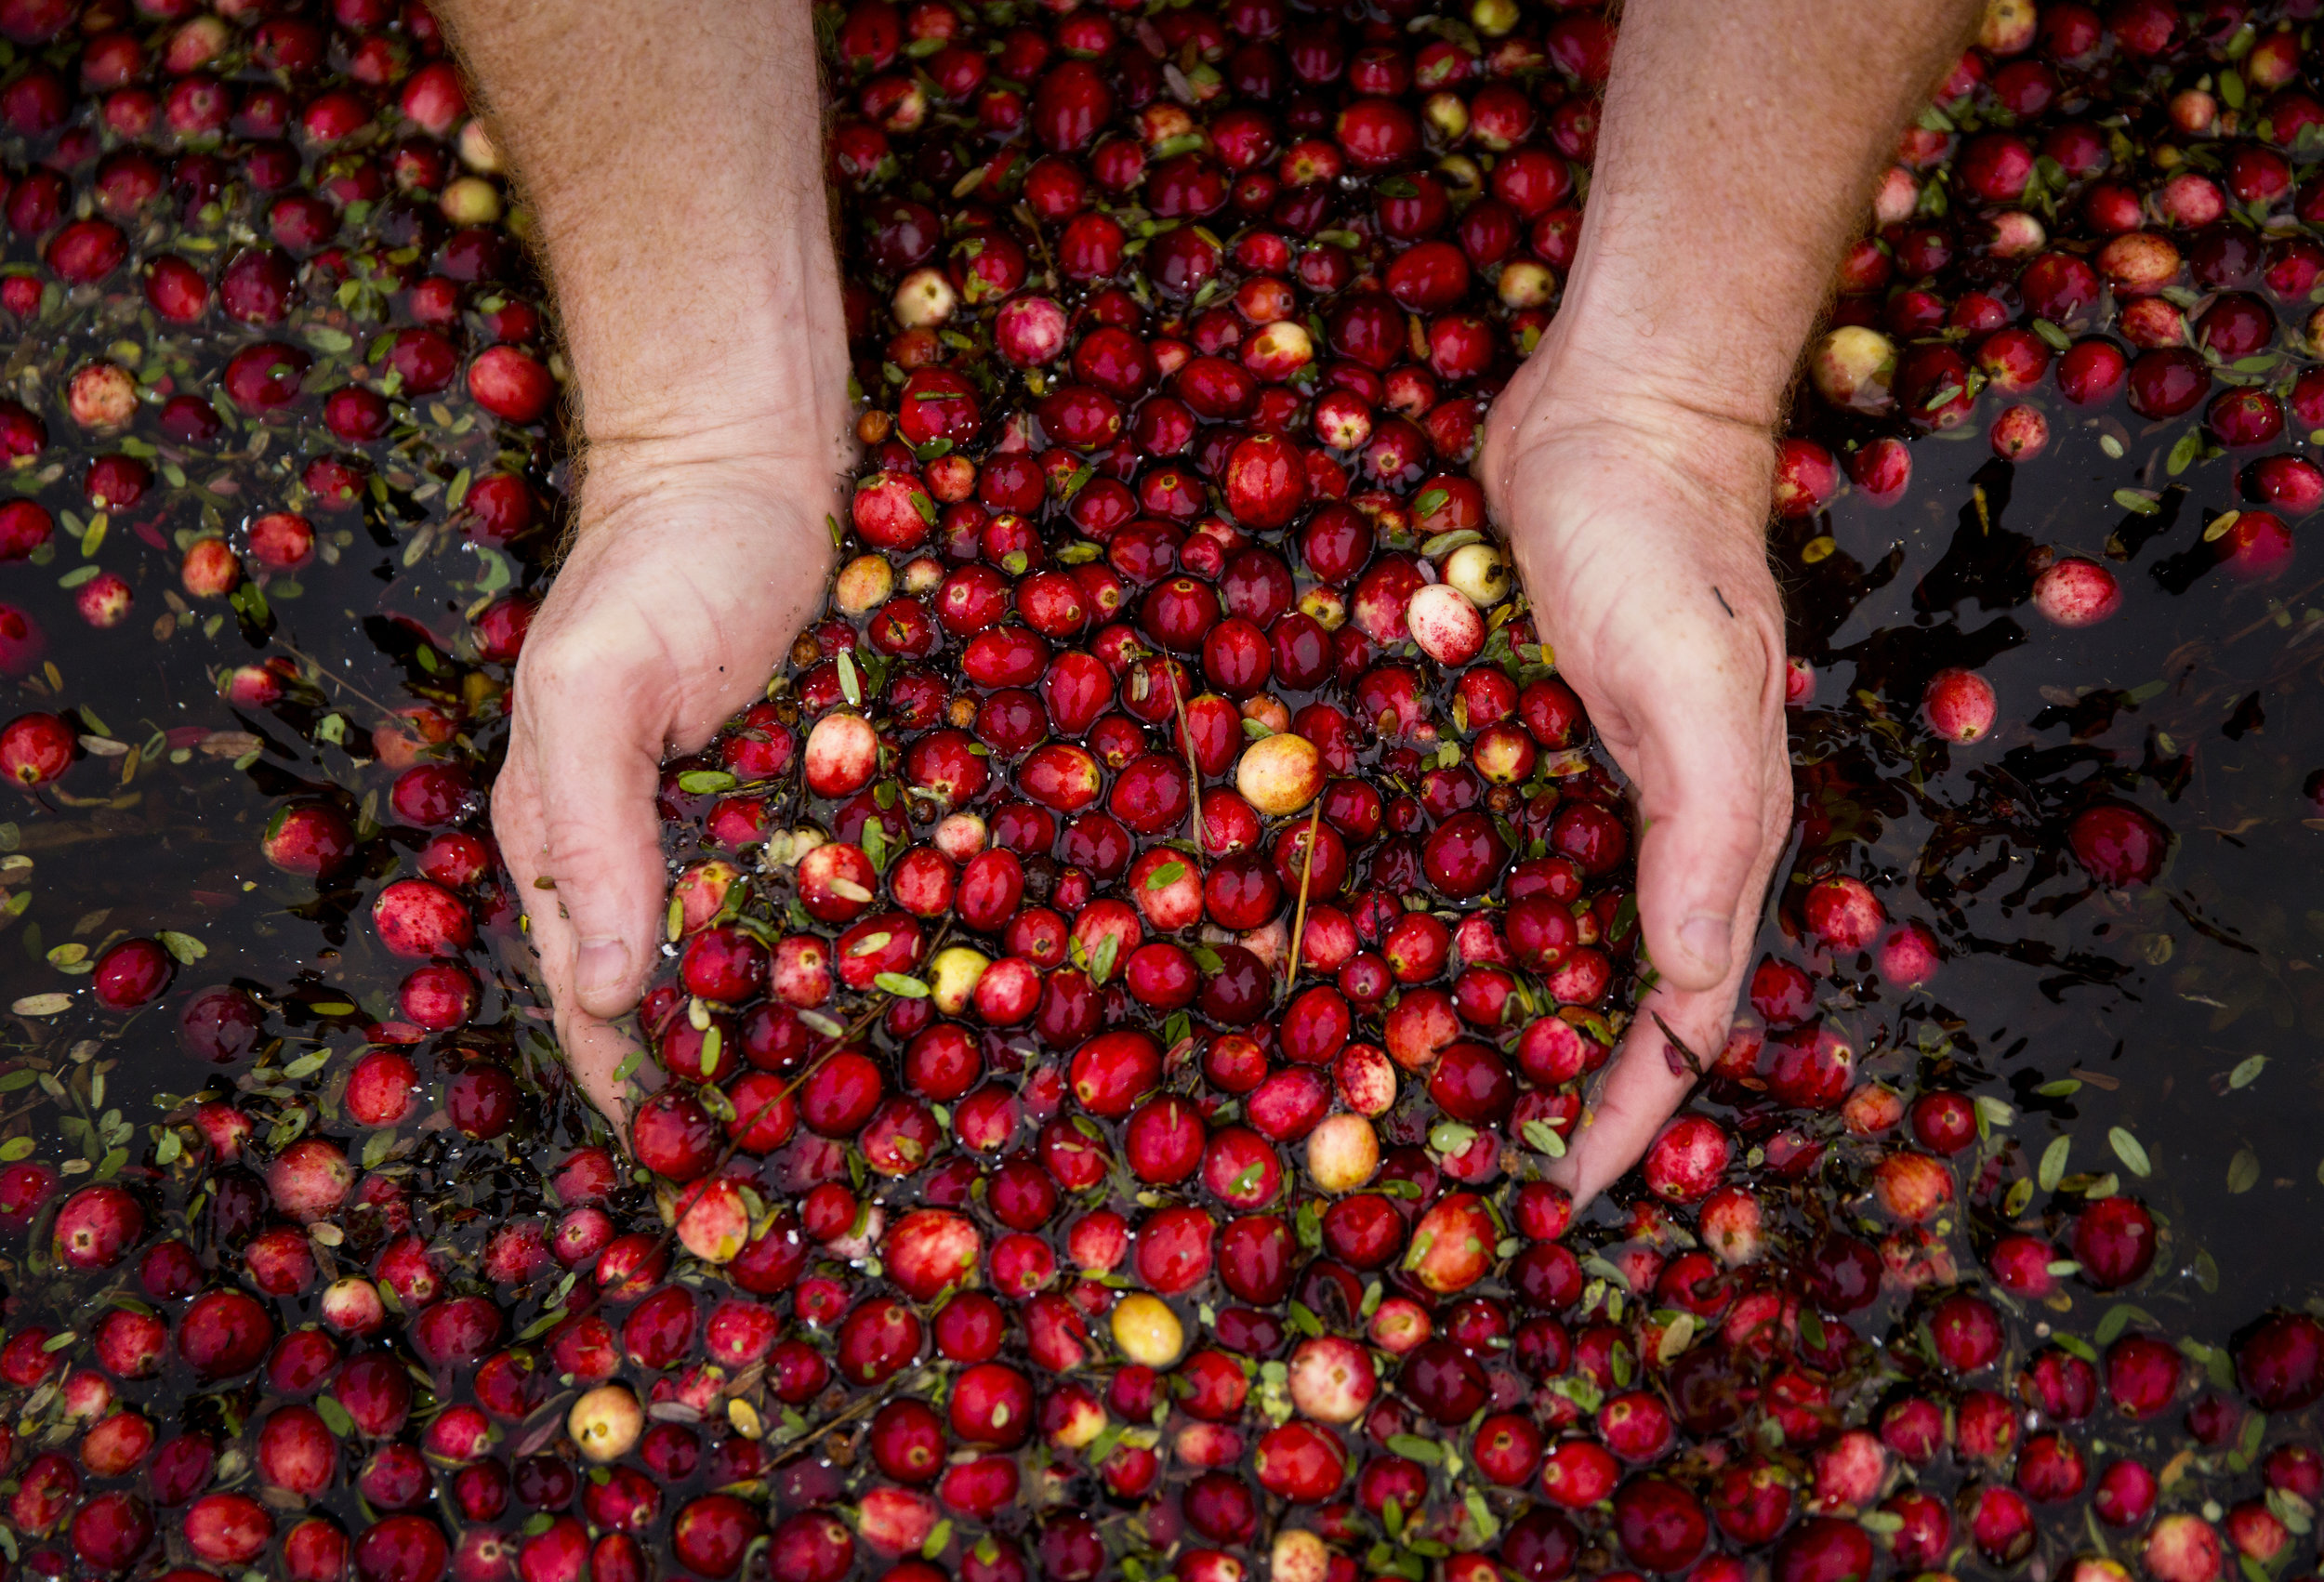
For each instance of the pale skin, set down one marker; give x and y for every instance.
(669, 151)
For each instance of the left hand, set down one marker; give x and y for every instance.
(1638, 523)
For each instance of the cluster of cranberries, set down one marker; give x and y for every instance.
(1153, 935)
(1128, 981)
(258, 259)
(2104, 212)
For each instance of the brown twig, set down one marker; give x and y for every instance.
(1194, 770)
(1678, 1047)
(2281, 604)
(1299, 915)
(853, 1411)
(323, 673)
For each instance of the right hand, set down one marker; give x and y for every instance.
(684, 587)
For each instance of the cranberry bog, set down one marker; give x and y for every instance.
(1130, 982)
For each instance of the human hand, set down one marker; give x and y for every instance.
(1638, 526)
(685, 586)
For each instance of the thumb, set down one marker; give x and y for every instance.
(1706, 786)
(597, 777)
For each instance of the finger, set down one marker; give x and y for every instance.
(1707, 771)
(517, 830)
(582, 1039)
(594, 765)
(1649, 1080)
(594, 1053)
(1643, 1087)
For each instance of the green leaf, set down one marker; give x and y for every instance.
(849, 685)
(334, 1417)
(2054, 1163)
(1166, 874)
(2127, 1149)
(705, 782)
(307, 1064)
(2247, 1071)
(1542, 1137)
(1445, 543)
(1451, 1137)
(1430, 502)
(323, 337)
(938, 1536)
(2138, 501)
(2183, 454)
(2059, 340)
(897, 983)
(1412, 1447)
(2243, 1171)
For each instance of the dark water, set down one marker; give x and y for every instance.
(2197, 702)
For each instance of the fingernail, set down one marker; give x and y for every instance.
(601, 965)
(1707, 940)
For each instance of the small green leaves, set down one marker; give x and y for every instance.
(1542, 1137)
(2243, 1171)
(2142, 502)
(903, 987)
(1451, 1137)
(2129, 1150)
(334, 1417)
(2247, 1071)
(2054, 1163)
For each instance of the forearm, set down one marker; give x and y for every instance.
(1739, 147)
(672, 156)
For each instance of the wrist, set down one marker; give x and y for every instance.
(696, 321)
(652, 491)
(767, 376)
(1585, 399)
